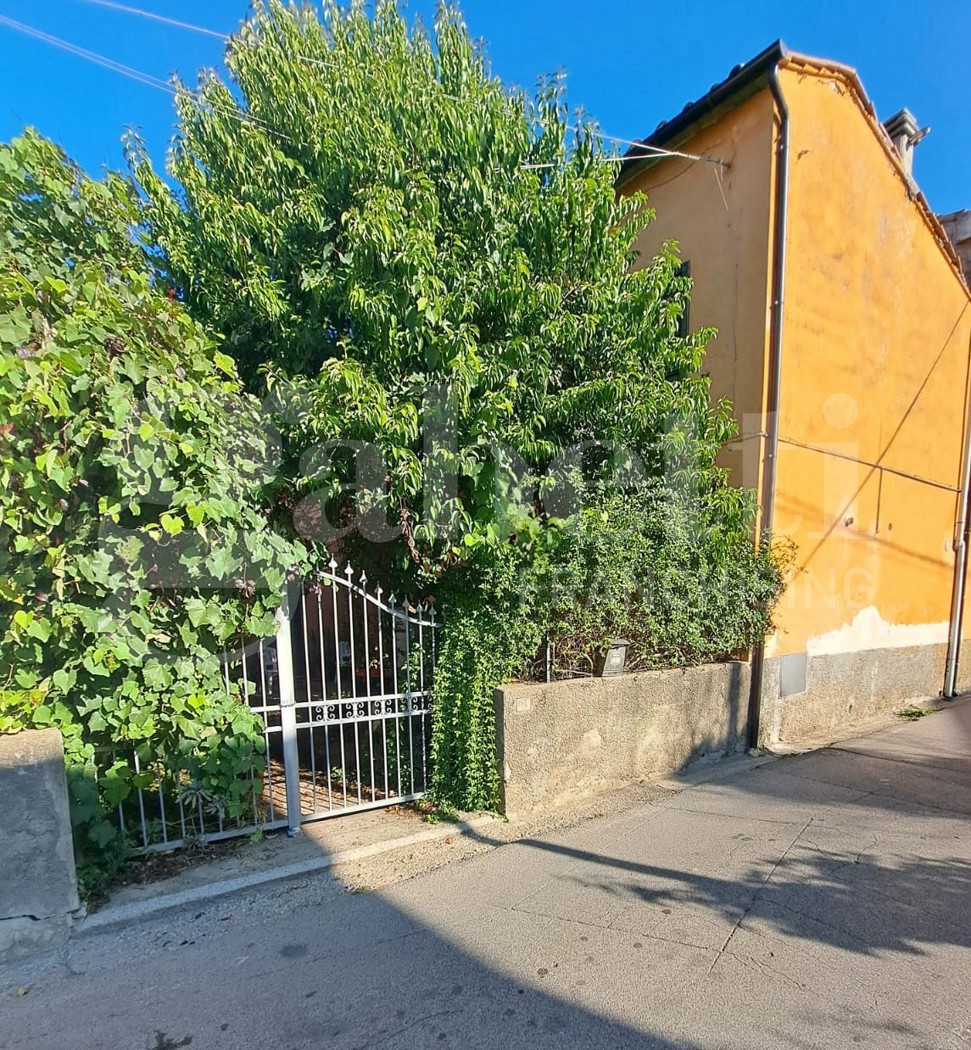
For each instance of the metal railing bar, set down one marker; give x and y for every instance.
(367, 684)
(346, 581)
(310, 724)
(323, 690)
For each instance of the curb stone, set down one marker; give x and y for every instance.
(109, 917)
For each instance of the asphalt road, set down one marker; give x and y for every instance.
(818, 901)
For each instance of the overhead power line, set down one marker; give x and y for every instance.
(138, 75)
(653, 151)
(112, 5)
(158, 84)
(92, 56)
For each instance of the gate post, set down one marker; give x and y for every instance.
(288, 713)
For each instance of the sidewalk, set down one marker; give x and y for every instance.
(822, 900)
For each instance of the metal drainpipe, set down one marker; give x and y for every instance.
(775, 372)
(960, 569)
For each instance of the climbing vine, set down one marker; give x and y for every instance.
(134, 540)
(644, 565)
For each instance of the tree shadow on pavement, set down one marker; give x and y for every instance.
(520, 948)
(308, 964)
(844, 899)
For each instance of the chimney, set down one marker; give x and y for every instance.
(902, 127)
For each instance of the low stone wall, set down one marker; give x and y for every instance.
(841, 688)
(38, 887)
(566, 740)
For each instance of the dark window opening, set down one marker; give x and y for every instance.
(684, 322)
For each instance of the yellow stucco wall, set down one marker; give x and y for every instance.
(721, 220)
(875, 359)
(874, 389)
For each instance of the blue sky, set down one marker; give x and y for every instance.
(629, 64)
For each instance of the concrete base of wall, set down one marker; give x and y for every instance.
(567, 740)
(38, 887)
(846, 687)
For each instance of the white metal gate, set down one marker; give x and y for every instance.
(345, 694)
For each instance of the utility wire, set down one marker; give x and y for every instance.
(654, 151)
(92, 56)
(137, 75)
(158, 84)
(112, 5)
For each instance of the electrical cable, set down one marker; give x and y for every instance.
(112, 5)
(653, 151)
(147, 79)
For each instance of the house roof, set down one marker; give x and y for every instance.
(749, 79)
(741, 83)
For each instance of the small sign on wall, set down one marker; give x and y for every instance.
(615, 659)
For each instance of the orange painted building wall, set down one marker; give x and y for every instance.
(875, 364)
(721, 222)
(874, 390)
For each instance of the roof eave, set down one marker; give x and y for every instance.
(742, 83)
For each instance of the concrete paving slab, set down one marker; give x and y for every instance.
(804, 909)
(887, 780)
(769, 794)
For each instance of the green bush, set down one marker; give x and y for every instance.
(664, 574)
(489, 632)
(646, 565)
(134, 539)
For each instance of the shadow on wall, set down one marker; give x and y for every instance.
(717, 743)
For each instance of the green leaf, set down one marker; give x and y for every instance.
(172, 524)
(224, 363)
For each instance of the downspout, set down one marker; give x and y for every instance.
(780, 223)
(960, 568)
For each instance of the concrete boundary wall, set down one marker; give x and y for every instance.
(567, 740)
(38, 886)
(841, 688)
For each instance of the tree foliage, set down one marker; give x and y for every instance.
(133, 532)
(403, 259)
(409, 258)
(399, 245)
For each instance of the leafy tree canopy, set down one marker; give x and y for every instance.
(396, 245)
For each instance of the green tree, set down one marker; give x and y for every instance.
(402, 253)
(134, 539)
(394, 241)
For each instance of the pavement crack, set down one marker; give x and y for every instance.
(840, 860)
(878, 794)
(769, 971)
(407, 1028)
(609, 927)
(669, 940)
(910, 762)
(807, 917)
(565, 918)
(748, 907)
(733, 816)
